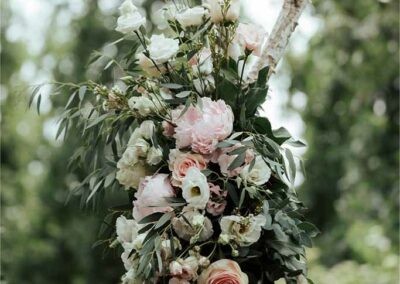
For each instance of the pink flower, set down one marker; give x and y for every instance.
(168, 129)
(223, 271)
(150, 197)
(250, 37)
(203, 127)
(184, 269)
(225, 160)
(217, 203)
(180, 162)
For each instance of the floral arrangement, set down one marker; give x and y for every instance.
(210, 184)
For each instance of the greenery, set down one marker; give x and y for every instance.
(350, 77)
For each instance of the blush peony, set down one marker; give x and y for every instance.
(223, 271)
(150, 197)
(203, 127)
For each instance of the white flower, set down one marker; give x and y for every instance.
(142, 105)
(217, 6)
(198, 220)
(131, 176)
(137, 243)
(259, 174)
(127, 230)
(195, 189)
(242, 230)
(129, 158)
(191, 17)
(141, 146)
(147, 129)
(202, 62)
(154, 156)
(130, 20)
(250, 37)
(162, 49)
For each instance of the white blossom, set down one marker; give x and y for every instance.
(130, 20)
(191, 17)
(195, 189)
(259, 174)
(162, 49)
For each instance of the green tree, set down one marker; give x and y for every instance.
(350, 77)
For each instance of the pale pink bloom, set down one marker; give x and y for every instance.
(202, 128)
(150, 197)
(225, 160)
(180, 162)
(217, 203)
(250, 37)
(168, 129)
(185, 269)
(223, 271)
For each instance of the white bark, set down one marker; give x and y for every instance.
(278, 40)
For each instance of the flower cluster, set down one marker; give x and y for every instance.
(210, 184)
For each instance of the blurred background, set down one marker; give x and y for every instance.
(337, 89)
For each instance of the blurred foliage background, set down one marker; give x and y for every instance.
(348, 76)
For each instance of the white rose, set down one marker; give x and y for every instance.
(129, 158)
(127, 230)
(141, 146)
(162, 49)
(216, 7)
(142, 105)
(154, 156)
(242, 230)
(131, 176)
(259, 174)
(191, 17)
(130, 20)
(195, 189)
(250, 37)
(147, 129)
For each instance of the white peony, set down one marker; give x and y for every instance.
(191, 17)
(242, 230)
(127, 230)
(130, 20)
(162, 49)
(130, 176)
(154, 156)
(141, 146)
(141, 105)
(259, 174)
(147, 129)
(195, 189)
(216, 8)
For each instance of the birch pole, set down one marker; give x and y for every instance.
(278, 40)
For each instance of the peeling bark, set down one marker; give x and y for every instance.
(278, 40)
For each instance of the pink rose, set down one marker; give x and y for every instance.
(202, 128)
(168, 129)
(180, 162)
(225, 160)
(223, 271)
(184, 269)
(250, 37)
(217, 203)
(150, 197)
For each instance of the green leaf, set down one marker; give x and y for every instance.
(82, 91)
(151, 218)
(163, 220)
(172, 86)
(33, 95)
(242, 196)
(109, 179)
(39, 100)
(183, 94)
(121, 208)
(227, 143)
(237, 151)
(97, 120)
(228, 91)
(237, 162)
(292, 165)
(309, 228)
(232, 193)
(146, 228)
